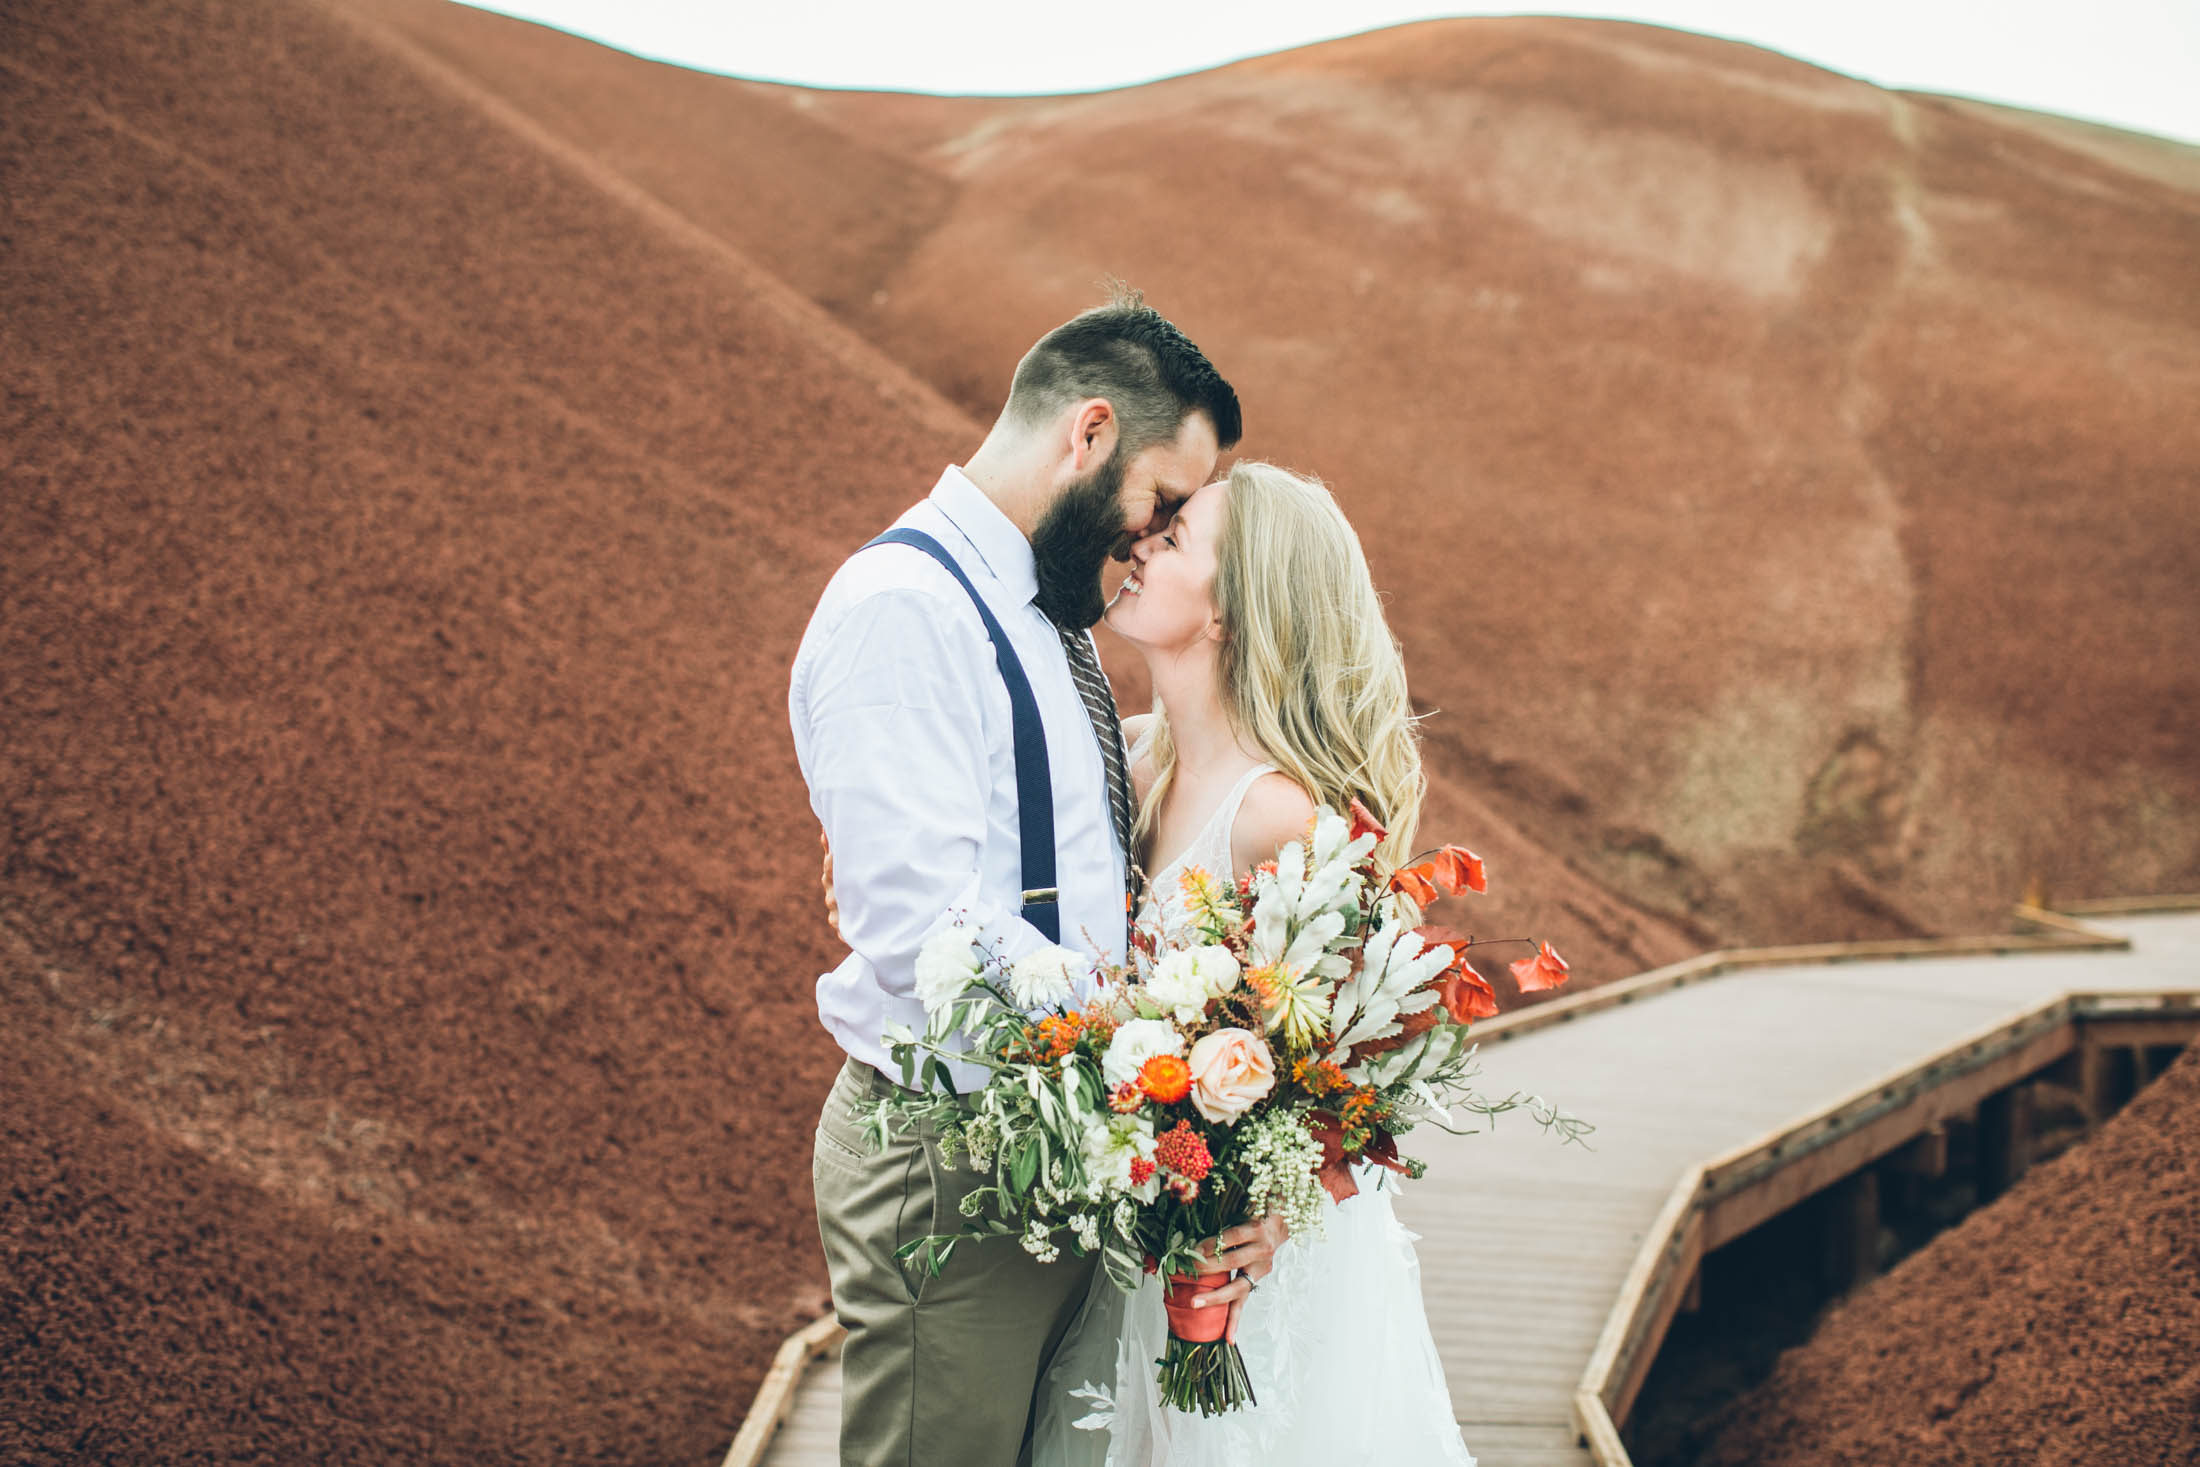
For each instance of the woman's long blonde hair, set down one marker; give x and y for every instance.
(1311, 675)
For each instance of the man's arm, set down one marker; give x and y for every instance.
(901, 779)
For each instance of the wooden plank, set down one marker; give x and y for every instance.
(1510, 1436)
(2061, 933)
(2128, 905)
(2079, 931)
(1598, 1431)
(1756, 1191)
(775, 1395)
(1970, 1066)
(2174, 1026)
(1666, 1247)
(2107, 1002)
(1648, 1333)
(810, 1436)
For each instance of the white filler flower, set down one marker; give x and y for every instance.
(1048, 976)
(947, 964)
(1186, 979)
(1135, 1042)
(1111, 1144)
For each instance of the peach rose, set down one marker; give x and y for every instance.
(1231, 1068)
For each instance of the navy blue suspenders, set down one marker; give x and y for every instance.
(1034, 783)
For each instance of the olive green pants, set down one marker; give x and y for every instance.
(937, 1372)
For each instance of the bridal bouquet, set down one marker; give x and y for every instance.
(1263, 1036)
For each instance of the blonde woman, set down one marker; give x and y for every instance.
(1277, 685)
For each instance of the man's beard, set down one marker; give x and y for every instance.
(1080, 532)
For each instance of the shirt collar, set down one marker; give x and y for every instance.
(1003, 548)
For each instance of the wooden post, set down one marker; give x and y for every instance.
(2150, 1060)
(2004, 1137)
(1852, 1230)
(2094, 1073)
(1907, 1176)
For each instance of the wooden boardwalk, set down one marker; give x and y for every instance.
(1525, 1244)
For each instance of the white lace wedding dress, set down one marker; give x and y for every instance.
(1336, 1340)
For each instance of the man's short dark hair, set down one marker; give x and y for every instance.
(1132, 355)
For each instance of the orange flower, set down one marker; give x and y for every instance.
(1466, 994)
(1166, 1077)
(1356, 1109)
(1458, 869)
(1545, 970)
(1317, 1077)
(1412, 883)
(1057, 1035)
(1453, 869)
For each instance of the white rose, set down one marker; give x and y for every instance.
(1135, 1042)
(1217, 967)
(1184, 980)
(1048, 976)
(947, 964)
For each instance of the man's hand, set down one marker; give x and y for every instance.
(825, 879)
(1250, 1248)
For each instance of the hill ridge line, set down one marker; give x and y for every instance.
(596, 425)
(832, 336)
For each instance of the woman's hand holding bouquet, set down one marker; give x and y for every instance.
(1263, 1037)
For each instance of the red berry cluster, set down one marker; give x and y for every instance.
(1184, 1152)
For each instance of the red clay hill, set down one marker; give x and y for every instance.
(407, 897)
(1785, 487)
(424, 436)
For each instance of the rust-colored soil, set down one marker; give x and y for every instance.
(422, 437)
(2059, 1324)
(406, 905)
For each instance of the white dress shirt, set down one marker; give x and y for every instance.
(904, 734)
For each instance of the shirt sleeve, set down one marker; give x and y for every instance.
(901, 779)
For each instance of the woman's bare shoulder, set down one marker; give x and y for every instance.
(1275, 813)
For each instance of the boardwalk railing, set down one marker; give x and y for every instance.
(1726, 1196)
(775, 1397)
(1720, 1199)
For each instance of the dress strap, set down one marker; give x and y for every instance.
(1225, 819)
(1143, 744)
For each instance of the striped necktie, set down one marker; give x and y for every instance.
(1107, 727)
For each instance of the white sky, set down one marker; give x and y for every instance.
(2134, 63)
